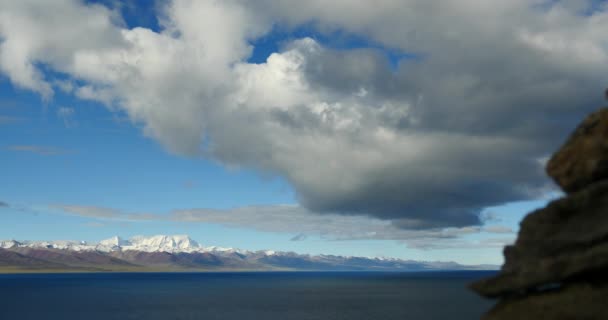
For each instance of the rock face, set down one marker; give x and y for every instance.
(584, 158)
(577, 301)
(558, 267)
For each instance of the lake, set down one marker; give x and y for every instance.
(246, 295)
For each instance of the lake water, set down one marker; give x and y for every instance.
(285, 296)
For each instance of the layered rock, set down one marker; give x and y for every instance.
(557, 268)
(583, 160)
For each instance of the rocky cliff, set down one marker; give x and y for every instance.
(558, 267)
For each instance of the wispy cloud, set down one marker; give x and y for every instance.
(41, 150)
(497, 229)
(294, 219)
(67, 115)
(431, 244)
(89, 211)
(104, 213)
(299, 237)
(21, 208)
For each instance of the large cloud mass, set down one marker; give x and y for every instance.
(492, 88)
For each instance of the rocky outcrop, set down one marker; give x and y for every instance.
(583, 160)
(577, 301)
(558, 267)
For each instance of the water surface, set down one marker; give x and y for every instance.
(301, 295)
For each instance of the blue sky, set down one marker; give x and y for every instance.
(299, 128)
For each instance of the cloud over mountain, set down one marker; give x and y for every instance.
(294, 219)
(423, 142)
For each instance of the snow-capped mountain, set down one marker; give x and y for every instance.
(178, 243)
(7, 244)
(159, 243)
(180, 252)
(115, 241)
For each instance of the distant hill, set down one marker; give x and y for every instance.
(180, 253)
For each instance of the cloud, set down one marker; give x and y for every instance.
(294, 219)
(89, 211)
(67, 115)
(41, 150)
(4, 204)
(431, 244)
(497, 229)
(104, 213)
(298, 237)
(422, 143)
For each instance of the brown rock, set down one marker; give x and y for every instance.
(581, 301)
(584, 157)
(563, 240)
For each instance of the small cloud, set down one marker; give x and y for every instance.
(105, 214)
(93, 93)
(497, 242)
(299, 237)
(498, 229)
(41, 150)
(22, 208)
(67, 115)
(489, 216)
(89, 211)
(64, 85)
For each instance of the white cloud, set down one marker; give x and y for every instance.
(35, 32)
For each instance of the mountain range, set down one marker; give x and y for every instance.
(181, 253)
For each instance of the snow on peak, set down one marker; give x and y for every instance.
(114, 241)
(7, 244)
(157, 243)
(112, 244)
(163, 243)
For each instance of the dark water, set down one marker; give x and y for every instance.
(384, 296)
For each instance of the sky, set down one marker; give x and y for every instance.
(409, 129)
